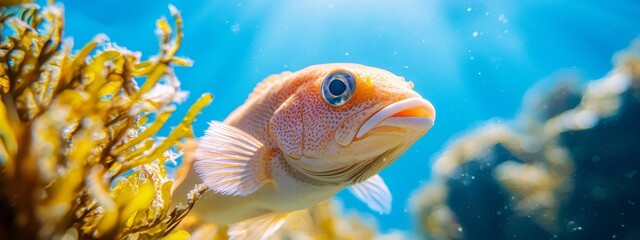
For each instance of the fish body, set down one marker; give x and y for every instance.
(300, 138)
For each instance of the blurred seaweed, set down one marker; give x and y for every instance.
(327, 221)
(323, 221)
(8, 3)
(79, 155)
(566, 168)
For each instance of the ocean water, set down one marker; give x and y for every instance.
(473, 60)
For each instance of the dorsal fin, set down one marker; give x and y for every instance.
(267, 84)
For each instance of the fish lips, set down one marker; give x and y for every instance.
(413, 113)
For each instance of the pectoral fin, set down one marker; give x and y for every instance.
(261, 227)
(375, 193)
(230, 161)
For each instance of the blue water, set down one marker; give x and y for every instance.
(473, 61)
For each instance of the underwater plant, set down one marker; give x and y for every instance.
(79, 151)
(327, 221)
(567, 169)
(8, 3)
(323, 221)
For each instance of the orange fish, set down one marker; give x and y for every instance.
(302, 137)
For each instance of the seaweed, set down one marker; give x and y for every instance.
(323, 221)
(8, 3)
(79, 151)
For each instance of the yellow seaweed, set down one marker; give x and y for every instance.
(79, 152)
(79, 155)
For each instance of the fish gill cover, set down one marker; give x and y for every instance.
(79, 155)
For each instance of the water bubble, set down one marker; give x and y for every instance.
(235, 27)
(469, 9)
(466, 182)
(346, 54)
(475, 34)
(573, 226)
(503, 19)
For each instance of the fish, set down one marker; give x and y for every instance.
(300, 138)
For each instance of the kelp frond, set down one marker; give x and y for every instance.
(79, 156)
(8, 3)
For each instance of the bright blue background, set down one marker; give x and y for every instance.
(468, 78)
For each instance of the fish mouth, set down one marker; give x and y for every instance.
(413, 113)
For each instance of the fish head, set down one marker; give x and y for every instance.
(348, 121)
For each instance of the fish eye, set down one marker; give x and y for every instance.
(338, 87)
